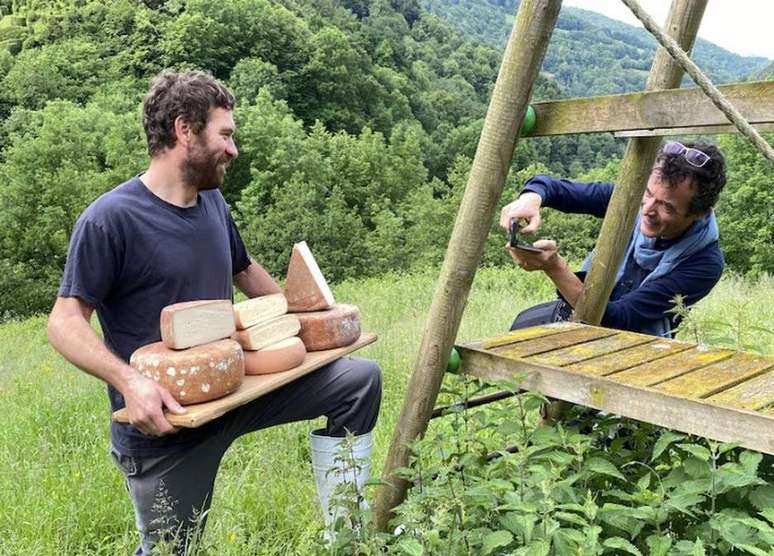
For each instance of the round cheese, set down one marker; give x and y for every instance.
(194, 375)
(336, 327)
(278, 357)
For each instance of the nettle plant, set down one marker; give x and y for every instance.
(491, 480)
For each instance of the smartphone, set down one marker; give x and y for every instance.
(515, 242)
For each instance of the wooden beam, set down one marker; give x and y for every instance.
(663, 110)
(716, 421)
(521, 63)
(706, 130)
(682, 24)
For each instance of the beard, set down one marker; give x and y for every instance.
(204, 169)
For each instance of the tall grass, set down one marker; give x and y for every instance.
(59, 492)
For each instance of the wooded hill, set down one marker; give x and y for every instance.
(357, 121)
(591, 54)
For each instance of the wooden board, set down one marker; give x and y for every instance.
(254, 387)
(705, 130)
(665, 109)
(719, 394)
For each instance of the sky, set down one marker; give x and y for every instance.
(741, 26)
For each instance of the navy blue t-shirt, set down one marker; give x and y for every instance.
(131, 254)
(632, 304)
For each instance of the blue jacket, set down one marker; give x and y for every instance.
(636, 304)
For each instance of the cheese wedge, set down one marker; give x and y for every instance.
(258, 309)
(338, 326)
(278, 357)
(193, 323)
(267, 332)
(305, 286)
(194, 375)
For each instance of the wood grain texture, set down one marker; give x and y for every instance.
(676, 365)
(649, 110)
(628, 358)
(554, 342)
(588, 350)
(254, 387)
(527, 334)
(716, 377)
(756, 393)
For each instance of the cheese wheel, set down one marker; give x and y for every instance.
(305, 286)
(337, 327)
(282, 356)
(194, 375)
(193, 323)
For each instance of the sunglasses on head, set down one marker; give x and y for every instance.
(694, 157)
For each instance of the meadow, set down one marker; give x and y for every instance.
(60, 494)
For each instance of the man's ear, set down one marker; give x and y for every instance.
(182, 131)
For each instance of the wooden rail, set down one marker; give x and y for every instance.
(720, 394)
(639, 113)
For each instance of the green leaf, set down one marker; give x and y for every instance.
(571, 518)
(603, 467)
(659, 544)
(696, 451)
(768, 514)
(753, 550)
(750, 460)
(538, 548)
(618, 544)
(411, 547)
(763, 497)
(667, 438)
(496, 539)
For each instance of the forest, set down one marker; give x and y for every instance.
(357, 122)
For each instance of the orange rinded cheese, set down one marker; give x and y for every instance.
(194, 375)
(305, 285)
(278, 357)
(268, 332)
(258, 309)
(193, 323)
(337, 327)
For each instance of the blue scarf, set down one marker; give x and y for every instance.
(661, 261)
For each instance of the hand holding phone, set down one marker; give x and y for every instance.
(514, 241)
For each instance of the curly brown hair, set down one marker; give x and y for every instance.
(190, 94)
(708, 180)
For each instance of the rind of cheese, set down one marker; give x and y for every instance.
(258, 309)
(194, 375)
(268, 332)
(194, 323)
(278, 357)
(305, 286)
(339, 326)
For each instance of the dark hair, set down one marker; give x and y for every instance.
(708, 180)
(189, 94)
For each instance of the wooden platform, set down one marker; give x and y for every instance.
(254, 387)
(716, 393)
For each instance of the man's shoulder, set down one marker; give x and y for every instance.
(708, 261)
(107, 206)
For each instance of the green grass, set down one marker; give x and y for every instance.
(60, 493)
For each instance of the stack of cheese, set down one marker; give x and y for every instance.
(325, 324)
(195, 360)
(268, 335)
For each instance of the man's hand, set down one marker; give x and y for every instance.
(547, 260)
(145, 403)
(526, 207)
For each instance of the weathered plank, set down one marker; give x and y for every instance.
(755, 393)
(556, 341)
(706, 130)
(527, 334)
(655, 372)
(716, 377)
(609, 364)
(254, 387)
(749, 429)
(589, 350)
(671, 108)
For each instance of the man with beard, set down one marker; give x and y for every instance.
(673, 249)
(164, 237)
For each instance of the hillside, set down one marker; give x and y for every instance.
(590, 54)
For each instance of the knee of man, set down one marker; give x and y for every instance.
(367, 375)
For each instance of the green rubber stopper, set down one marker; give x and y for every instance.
(530, 117)
(454, 361)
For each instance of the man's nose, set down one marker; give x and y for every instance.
(231, 149)
(648, 206)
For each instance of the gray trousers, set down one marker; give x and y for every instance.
(171, 494)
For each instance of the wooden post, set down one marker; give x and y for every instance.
(682, 25)
(521, 62)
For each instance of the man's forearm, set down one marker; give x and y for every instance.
(254, 281)
(565, 281)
